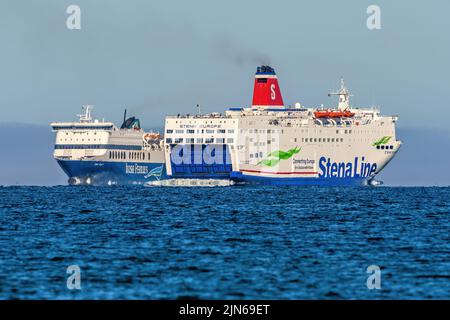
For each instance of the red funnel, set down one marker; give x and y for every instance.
(266, 91)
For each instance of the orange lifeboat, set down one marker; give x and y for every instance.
(333, 114)
(152, 136)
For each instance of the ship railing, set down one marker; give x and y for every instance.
(151, 147)
(198, 116)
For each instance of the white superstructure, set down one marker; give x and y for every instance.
(93, 151)
(266, 143)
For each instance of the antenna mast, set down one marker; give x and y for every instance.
(86, 117)
(344, 94)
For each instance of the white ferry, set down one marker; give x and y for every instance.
(270, 143)
(97, 152)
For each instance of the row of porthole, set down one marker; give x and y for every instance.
(131, 155)
(385, 147)
(322, 140)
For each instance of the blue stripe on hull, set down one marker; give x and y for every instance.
(102, 172)
(239, 177)
(197, 167)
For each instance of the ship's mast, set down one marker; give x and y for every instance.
(343, 93)
(86, 117)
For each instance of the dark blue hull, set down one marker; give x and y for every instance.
(109, 172)
(250, 179)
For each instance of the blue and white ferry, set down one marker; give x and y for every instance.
(97, 152)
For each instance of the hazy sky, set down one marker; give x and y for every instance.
(164, 57)
(159, 57)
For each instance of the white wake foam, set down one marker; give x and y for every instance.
(190, 183)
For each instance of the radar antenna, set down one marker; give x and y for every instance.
(344, 94)
(86, 116)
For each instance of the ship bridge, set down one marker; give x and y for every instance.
(85, 122)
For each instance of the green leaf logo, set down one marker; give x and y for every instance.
(383, 140)
(273, 158)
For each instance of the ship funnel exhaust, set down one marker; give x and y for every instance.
(266, 91)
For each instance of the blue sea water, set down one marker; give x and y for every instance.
(224, 242)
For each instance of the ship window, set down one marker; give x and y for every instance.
(179, 140)
(199, 140)
(378, 147)
(168, 140)
(190, 131)
(320, 140)
(230, 140)
(382, 147)
(332, 139)
(315, 139)
(342, 139)
(391, 147)
(169, 131)
(349, 131)
(262, 80)
(231, 131)
(221, 131)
